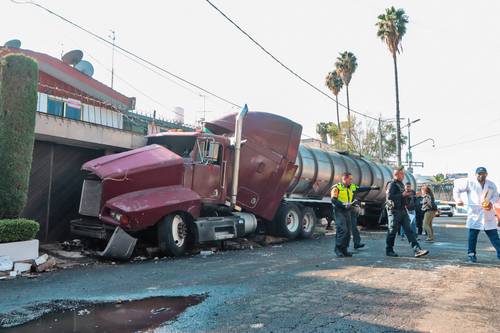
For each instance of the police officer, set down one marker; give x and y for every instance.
(342, 195)
(397, 216)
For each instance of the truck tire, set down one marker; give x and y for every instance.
(288, 221)
(309, 221)
(173, 235)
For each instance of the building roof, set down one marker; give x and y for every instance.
(71, 76)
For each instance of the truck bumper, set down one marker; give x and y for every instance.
(120, 244)
(92, 228)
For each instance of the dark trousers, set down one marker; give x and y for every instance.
(420, 222)
(343, 228)
(356, 237)
(492, 235)
(395, 219)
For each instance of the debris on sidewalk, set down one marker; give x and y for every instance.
(46, 266)
(205, 253)
(5, 263)
(21, 267)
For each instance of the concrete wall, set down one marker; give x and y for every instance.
(78, 133)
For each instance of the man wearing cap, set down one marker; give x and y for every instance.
(342, 195)
(397, 215)
(481, 195)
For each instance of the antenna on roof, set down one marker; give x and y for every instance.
(85, 67)
(13, 44)
(73, 57)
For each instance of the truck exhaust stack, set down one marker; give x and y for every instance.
(237, 150)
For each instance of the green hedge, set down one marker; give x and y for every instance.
(17, 230)
(18, 99)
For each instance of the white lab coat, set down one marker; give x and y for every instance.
(477, 217)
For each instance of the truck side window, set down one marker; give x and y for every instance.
(209, 152)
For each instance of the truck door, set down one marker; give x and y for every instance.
(208, 170)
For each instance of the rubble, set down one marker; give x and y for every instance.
(21, 267)
(48, 265)
(5, 263)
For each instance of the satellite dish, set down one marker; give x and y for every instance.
(85, 67)
(13, 44)
(72, 57)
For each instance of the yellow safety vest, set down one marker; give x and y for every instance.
(346, 194)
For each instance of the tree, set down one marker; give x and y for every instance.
(18, 98)
(322, 130)
(334, 134)
(391, 29)
(346, 65)
(366, 140)
(439, 178)
(334, 82)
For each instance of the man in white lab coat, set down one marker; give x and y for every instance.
(481, 195)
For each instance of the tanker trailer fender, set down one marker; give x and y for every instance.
(139, 210)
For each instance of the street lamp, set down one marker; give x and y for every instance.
(410, 157)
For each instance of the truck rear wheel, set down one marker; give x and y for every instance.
(173, 235)
(309, 221)
(288, 221)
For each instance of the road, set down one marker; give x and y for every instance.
(295, 287)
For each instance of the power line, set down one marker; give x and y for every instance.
(125, 50)
(470, 141)
(282, 64)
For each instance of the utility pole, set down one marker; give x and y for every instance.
(380, 140)
(113, 38)
(408, 156)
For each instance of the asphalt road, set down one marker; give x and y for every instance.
(295, 287)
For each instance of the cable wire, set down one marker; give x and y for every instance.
(125, 50)
(282, 64)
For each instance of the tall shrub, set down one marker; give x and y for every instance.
(18, 99)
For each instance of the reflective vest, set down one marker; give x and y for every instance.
(346, 194)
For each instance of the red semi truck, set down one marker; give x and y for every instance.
(197, 187)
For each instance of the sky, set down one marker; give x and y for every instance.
(448, 71)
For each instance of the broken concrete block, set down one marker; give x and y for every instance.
(21, 267)
(271, 240)
(13, 274)
(206, 253)
(50, 263)
(41, 259)
(6, 263)
(18, 251)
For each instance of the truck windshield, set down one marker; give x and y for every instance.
(181, 145)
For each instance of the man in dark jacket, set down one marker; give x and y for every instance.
(397, 215)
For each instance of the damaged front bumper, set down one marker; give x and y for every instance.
(120, 244)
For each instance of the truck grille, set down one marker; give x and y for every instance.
(90, 201)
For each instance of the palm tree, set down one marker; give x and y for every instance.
(322, 130)
(335, 83)
(346, 65)
(391, 29)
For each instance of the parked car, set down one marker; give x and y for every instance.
(444, 209)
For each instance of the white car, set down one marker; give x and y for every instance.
(444, 210)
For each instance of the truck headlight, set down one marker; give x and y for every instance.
(116, 216)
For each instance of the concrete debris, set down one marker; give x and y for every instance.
(5, 263)
(72, 245)
(206, 253)
(48, 265)
(21, 267)
(13, 274)
(271, 240)
(41, 259)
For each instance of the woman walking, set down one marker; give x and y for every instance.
(429, 208)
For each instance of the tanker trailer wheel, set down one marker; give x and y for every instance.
(309, 221)
(173, 235)
(288, 221)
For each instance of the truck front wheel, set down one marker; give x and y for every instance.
(288, 221)
(173, 235)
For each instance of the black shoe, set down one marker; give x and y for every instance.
(359, 246)
(339, 253)
(421, 253)
(391, 254)
(347, 254)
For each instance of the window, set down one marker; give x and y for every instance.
(73, 113)
(209, 151)
(55, 107)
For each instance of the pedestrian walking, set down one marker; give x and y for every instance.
(481, 195)
(398, 216)
(410, 205)
(345, 213)
(430, 208)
